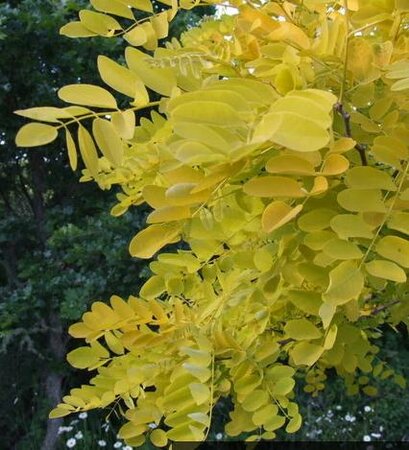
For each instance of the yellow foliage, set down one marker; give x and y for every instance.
(277, 151)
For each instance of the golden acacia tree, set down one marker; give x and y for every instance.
(277, 152)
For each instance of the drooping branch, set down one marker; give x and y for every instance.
(339, 108)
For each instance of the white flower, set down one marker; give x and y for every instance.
(330, 414)
(79, 435)
(71, 443)
(74, 422)
(83, 415)
(102, 443)
(338, 407)
(153, 425)
(127, 447)
(376, 435)
(381, 428)
(61, 430)
(350, 418)
(367, 409)
(367, 438)
(118, 444)
(219, 436)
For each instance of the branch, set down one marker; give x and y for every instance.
(339, 108)
(379, 309)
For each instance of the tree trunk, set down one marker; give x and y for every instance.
(53, 381)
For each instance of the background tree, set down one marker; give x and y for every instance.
(59, 247)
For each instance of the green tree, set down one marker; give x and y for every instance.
(277, 155)
(54, 256)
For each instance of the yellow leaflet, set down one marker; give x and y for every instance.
(88, 151)
(44, 114)
(362, 200)
(301, 329)
(169, 214)
(137, 36)
(161, 80)
(386, 270)
(365, 177)
(124, 123)
(108, 141)
(72, 150)
(277, 214)
(113, 7)
(394, 248)
(335, 164)
(35, 134)
(160, 24)
(289, 164)
(304, 353)
(270, 186)
(76, 30)
(341, 249)
(143, 5)
(346, 283)
(158, 438)
(88, 95)
(122, 80)
(98, 23)
(148, 241)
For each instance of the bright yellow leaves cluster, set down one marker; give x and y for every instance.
(276, 149)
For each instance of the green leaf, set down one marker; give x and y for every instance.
(35, 134)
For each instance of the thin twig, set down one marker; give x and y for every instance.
(339, 108)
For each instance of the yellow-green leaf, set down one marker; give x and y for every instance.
(158, 438)
(87, 95)
(301, 329)
(394, 248)
(362, 200)
(278, 214)
(113, 7)
(346, 283)
(273, 186)
(88, 151)
(387, 270)
(35, 134)
(108, 141)
(98, 23)
(76, 30)
(304, 353)
(289, 164)
(341, 249)
(122, 79)
(148, 241)
(365, 177)
(72, 150)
